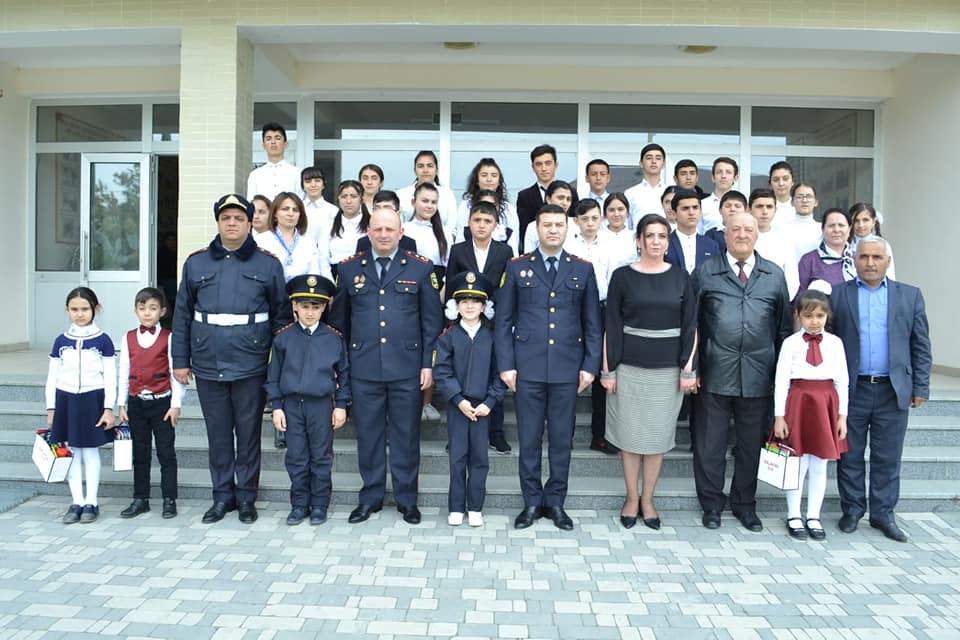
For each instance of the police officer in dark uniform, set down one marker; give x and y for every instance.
(548, 343)
(231, 300)
(308, 387)
(388, 307)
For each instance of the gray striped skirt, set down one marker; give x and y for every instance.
(642, 414)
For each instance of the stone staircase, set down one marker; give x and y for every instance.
(930, 474)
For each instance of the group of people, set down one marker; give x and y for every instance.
(650, 296)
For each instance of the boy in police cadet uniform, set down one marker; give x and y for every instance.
(230, 302)
(388, 308)
(308, 387)
(549, 342)
(466, 374)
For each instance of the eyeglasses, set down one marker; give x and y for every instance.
(804, 196)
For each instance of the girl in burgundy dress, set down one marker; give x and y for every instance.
(810, 405)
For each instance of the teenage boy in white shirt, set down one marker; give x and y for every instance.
(277, 174)
(724, 174)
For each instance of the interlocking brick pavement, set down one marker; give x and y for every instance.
(155, 578)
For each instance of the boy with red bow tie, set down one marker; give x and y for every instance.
(150, 400)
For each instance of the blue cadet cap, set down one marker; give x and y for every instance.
(311, 286)
(235, 201)
(470, 284)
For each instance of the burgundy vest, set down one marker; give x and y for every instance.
(149, 368)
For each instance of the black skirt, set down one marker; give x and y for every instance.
(75, 419)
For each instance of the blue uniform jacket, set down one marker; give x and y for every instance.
(706, 248)
(467, 368)
(246, 281)
(548, 333)
(309, 365)
(391, 329)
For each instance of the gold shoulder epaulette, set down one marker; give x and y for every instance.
(332, 330)
(351, 258)
(282, 329)
(416, 256)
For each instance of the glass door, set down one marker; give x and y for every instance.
(114, 251)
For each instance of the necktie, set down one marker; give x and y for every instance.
(814, 356)
(743, 274)
(384, 263)
(150, 330)
(552, 269)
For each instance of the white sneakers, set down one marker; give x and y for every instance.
(475, 518)
(429, 412)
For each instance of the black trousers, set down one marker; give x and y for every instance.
(550, 405)
(752, 419)
(598, 396)
(233, 413)
(309, 457)
(146, 427)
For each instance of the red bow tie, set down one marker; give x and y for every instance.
(814, 356)
(150, 330)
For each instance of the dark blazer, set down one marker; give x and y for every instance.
(406, 244)
(529, 201)
(908, 337)
(717, 236)
(548, 332)
(705, 249)
(463, 259)
(741, 326)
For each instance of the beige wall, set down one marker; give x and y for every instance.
(14, 116)
(921, 139)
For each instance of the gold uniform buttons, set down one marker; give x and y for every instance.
(553, 326)
(382, 340)
(553, 294)
(550, 341)
(382, 292)
(553, 309)
(382, 308)
(383, 323)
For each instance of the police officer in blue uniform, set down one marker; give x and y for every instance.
(548, 343)
(388, 307)
(308, 388)
(231, 300)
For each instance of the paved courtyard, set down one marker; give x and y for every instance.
(155, 578)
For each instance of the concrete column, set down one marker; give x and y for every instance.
(216, 118)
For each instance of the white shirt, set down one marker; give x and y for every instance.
(297, 259)
(146, 340)
(422, 232)
(272, 178)
(777, 249)
(784, 216)
(644, 198)
(689, 246)
(471, 331)
(747, 264)
(600, 198)
(345, 245)
(806, 234)
(598, 253)
(446, 204)
(622, 245)
(710, 217)
(792, 365)
(508, 220)
(320, 215)
(480, 255)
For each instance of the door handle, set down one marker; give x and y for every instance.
(84, 255)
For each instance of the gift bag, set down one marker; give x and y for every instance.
(122, 449)
(52, 460)
(779, 466)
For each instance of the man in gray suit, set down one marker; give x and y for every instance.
(884, 330)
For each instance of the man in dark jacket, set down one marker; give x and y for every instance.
(231, 300)
(744, 316)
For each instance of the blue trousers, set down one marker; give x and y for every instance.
(873, 413)
(233, 410)
(552, 405)
(379, 406)
(469, 461)
(309, 457)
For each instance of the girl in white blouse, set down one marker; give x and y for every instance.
(288, 238)
(485, 184)
(427, 230)
(810, 405)
(349, 224)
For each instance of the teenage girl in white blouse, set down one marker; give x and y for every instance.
(427, 230)
(349, 224)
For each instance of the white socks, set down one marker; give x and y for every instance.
(815, 470)
(86, 464)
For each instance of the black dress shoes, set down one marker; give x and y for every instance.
(848, 523)
(297, 514)
(248, 512)
(499, 443)
(169, 508)
(891, 530)
(362, 512)
(218, 511)
(411, 515)
(279, 439)
(603, 446)
(628, 522)
(318, 515)
(560, 518)
(750, 521)
(138, 506)
(527, 517)
(711, 519)
(652, 523)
